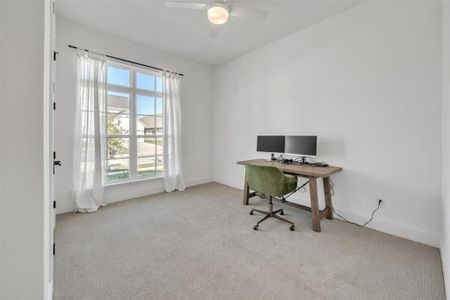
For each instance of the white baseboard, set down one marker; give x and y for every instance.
(414, 234)
(122, 192)
(140, 190)
(445, 270)
(131, 190)
(198, 181)
(229, 182)
(64, 207)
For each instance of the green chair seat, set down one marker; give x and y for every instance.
(271, 182)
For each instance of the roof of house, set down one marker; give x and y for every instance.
(149, 121)
(119, 105)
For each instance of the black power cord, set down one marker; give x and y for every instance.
(350, 222)
(302, 188)
(363, 225)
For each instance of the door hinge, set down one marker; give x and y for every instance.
(54, 249)
(54, 54)
(54, 105)
(54, 204)
(53, 6)
(54, 154)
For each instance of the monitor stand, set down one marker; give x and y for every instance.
(273, 158)
(303, 161)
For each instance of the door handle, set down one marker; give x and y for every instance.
(56, 163)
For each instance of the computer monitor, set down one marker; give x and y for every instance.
(270, 143)
(304, 145)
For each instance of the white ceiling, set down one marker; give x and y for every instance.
(187, 32)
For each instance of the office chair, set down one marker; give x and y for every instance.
(271, 182)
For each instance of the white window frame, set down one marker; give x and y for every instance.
(132, 90)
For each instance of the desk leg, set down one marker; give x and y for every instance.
(246, 191)
(315, 213)
(327, 196)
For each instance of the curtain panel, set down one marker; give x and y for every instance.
(173, 172)
(90, 131)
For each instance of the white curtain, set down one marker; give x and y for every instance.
(173, 178)
(90, 131)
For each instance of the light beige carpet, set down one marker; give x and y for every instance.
(200, 244)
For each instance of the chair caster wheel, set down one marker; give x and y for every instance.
(255, 227)
(292, 227)
(282, 213)
(251, 212)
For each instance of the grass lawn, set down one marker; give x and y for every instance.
(146, 170)
(158, 142)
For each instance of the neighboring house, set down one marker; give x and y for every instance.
(152, 124)
(119, 110)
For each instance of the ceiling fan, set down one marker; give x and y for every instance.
(218, 11)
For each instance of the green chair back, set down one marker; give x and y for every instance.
(270, 180)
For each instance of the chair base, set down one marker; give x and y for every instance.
(271, 214)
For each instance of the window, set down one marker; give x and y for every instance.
(134, 123)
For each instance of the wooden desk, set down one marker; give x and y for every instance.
(310, 172)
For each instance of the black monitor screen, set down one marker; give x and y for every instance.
(301, 145)
(270, 143)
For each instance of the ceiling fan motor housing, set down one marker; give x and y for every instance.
(218, 12)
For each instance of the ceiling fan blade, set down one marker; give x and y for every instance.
(248, 12)
(185, 5)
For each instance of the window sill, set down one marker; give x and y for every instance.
(110, 184)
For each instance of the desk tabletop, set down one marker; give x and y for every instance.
(301, 170)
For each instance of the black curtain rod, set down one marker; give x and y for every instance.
(128, 61)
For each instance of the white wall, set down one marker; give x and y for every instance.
(445, 236)
(196, 106)
(367, 82)
(23, 231)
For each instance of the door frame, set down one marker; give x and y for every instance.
(48, 79)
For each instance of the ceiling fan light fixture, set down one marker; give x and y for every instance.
(218, 14)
